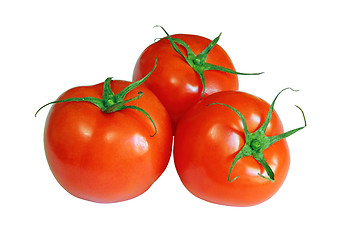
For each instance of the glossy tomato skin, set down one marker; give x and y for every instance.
(209, 137)
(107, 157)
(175, 83)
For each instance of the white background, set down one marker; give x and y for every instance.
(48, 47)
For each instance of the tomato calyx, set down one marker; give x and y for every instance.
(198, 62)
(257, 142)
(110, 103)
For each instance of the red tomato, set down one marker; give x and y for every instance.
(107, 157)
(175, 82)
(210, 138)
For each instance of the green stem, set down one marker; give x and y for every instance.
(117, 106)
(198, 62)
(110, 103)
(257, 142)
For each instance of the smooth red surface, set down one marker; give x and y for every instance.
(107, 157)
(175, 83)
(209, 137)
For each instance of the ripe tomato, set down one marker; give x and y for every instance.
(107, 157)
(180, 81)
(219, 161)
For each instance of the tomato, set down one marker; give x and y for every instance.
(230, 150)
(108, 157)
(188, 70)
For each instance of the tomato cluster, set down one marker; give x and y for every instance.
(110, 142)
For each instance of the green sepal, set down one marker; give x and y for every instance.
(108, 94)
(198, 62)
(257, 142)
(145, 113)
(110, 103)
(121, 95)
(97, 102)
